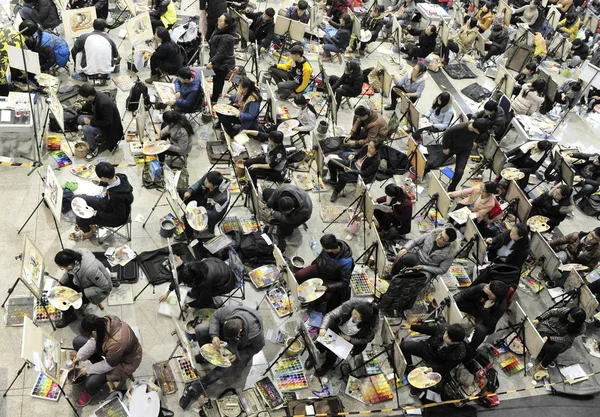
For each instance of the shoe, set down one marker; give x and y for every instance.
(79, 77)
(91, 154)
(334, 197)
(540, 373)
(188, 395)
(390, 107)
(328, 181)
(320, 372)
(152, 79)
(79, 235)
(84, 399)
(199, 358)
(66, 319)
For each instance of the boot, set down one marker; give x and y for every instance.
(152, 79)
(540, 372)
(68, 316)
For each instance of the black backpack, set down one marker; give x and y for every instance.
(590, 205)
(255, 250)
(133, 100)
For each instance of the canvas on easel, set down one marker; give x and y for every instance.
(57, 110)
(32, 268)
(53, 193)
(41, 349)
(78, 22)
(139, 29)
(130, 5)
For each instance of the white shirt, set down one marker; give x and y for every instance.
(505, 250)
(349, 328)
(98, 55)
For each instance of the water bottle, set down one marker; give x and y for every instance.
(25, 112)
(314, 246)
(18, 111)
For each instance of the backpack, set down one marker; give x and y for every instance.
(69, 119)
(255, 250)
(133, 100)
(590, 205)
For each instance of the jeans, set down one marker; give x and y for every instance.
(328, 48)
(93, 383)
(218, 83)
(550, 352)
(586, 190)
(462, 157)
(285, 86)
(344, 177)
(409, 260)
(89, 132)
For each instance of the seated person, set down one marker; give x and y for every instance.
(262, 28)
(211, 192)
(485, 16)
(334, 266)
(166, 58)
(527, 14)
(43, 12)
(207, 278)
(592, 99)
(559, 327)
(247, 100)
(495, 114)
(528, 158)
(290, 207)
(162, 14)
(337, 8)
(495, 45)
(52, 50)
(578, 248)
(487, 304)
(349, 84)
(242, 328)
(587, 167)
(411, 84)
(567, 93)
(178, 131)
(405, 12)
(85, 274)
(299, 13)
(367, 125)
(431, 252)
(579, 52)
(105, 121)
(187, 88)
(307, 116)
(554, 204)
(113, 209)
(440, 115)
(94, 53)
(480, 200)
(569, 26)
(530, 98)
(113, 349)
(527, 75)
(271, 165)
(356, 321)
(340, 41)
(372, 22)
(425, 42)
(510, 247)
(100, 5)
(396, 220)
(365, 163)
(294, 76)
(463, 41)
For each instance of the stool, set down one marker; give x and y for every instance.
(180, 158)
(111, 231)
(98, 79)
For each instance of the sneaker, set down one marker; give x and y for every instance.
(334, 197)
(152, 79)
(329, 181)
(188, 395)
(84, 399)
(91, 154)
(79, 235)
(79, 77)
(390, 107)
(66, 319)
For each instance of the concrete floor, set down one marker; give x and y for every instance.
(21, 193)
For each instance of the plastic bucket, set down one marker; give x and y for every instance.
(167, 228)
(81, 149)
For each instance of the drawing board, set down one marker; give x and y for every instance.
(140, 120)
(184, 342)
(288, 27)
(78, 22)
(356, 25)
(505, 81)
(32, 268)
(451, 312)
(56, 109)
(504, 7)
(567, 172)
(553, 16)
(590, 21)
(243, 25)
(514, 192)
(332, 103)
(32, 59)
(560, 47)
(479, 246)
(480, 44)
(316, 18)
(417, 159)
(53, 193)
(381, 257)
(444, 201)
(253, 193)
(587, 300)
(540, 248)
(41, 349)
(165, 91)
(444, 31)
(139, 29)
(533, 340)
(399, 361)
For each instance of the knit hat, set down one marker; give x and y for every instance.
(498, 288)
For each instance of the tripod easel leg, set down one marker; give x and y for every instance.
(10, 291)
(58, 232)
(154, 207)
(19, 372)
(30, 216)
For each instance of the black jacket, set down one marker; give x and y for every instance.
(262, 29)
(521, 159)
(498, 120)
(367, 330)
(107, 118)
(369, 168)
(352, 82)
(426, 43)
(499, 40)
(446, 357)
(216, 279)
(585, 167)
(221, 49)
(302, 205)
(47, 13)
(518, 256)
(169, 56)
(342, 36)
(471, 301)
(336, 271)
(214, 8)
(459, 138)
(373, 25)
(118, 207)
(582, 52)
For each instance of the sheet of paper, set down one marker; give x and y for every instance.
(573, 372)
(5, 118)
(336, 344)
(555, 292)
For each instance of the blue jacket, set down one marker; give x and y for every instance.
(189, 92)
(249, 114)
(54, 49)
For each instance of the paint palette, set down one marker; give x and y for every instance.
(226, 109)
(291, 382)
(188, 373)
(81, 209)
(17, 308)
(269, 392)
(371, 368)
(369, 390)
(84, 171)
(280, 302)
(264, 275)
(47, 389)
(330, 213)
(510, 363)
(164, 377)
(461, 276)
(361, 284)
(248, 224)
(230, 224)
(40, 314)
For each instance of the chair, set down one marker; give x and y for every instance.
(195, 114)
(111, 231)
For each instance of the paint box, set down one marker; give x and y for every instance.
(188, 373)
(361, 284)
(39, 313)
(289, 374)
(280, 302)
(46, 389)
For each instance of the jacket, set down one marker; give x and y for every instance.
(299, 72)
(376, 127)
(292, 13)
(166, 11)
(411, 86)
(433, 262)
(403, 292)
(370, 165)
(484, 20)
(119, 201)
(352, 83)
(214, 9)
(373, 25)
(459, 138)
(446, 357)
(189, 92)
(79, 46)
(582, 52)
(170, 57)
(263, 30)
(121, 348)
(8, 36)
(527, 104)
(341, 39)
(107, 118)
(426, 43)
(341, 314)
(302, 205)
(527, 156)
(217, 278)
(54, 49)
(571, 31)
(471, 300)
(307, 119)
(566, 88)
(584, 165)
(519, 250)
(465, 38)
(28, 12)
(401, 214)
(221, 49)
(551, 326)
(180, 139)
(252, 339)
(588, 255)
(215, 202)
(47, 14)
(336, 270)
(442, 120)
(277, 158)
(529, 16)
(249, 110)
(90, 276)
(478, 205)
(500, 40)
(543, 204)
(498, 120)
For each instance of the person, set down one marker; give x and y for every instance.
(528, 158)
(166, 58)
(337, 9)
(8, 36)
(480, 199)
(372, 22)
(495, 45)
(294, 76)
(587, 167)
(484, 16)
(209, 192)
(94, 53)
(527, 14)
(307, 116)
(458, 140)
(411, 84)
(554, 204)
(100, 5)
(299, 13)
(567, 93)
(179, 132)
(495, 114)
(271, 165)
(439, 116)
(356, 321)
(221, 56)
(213, 9)
(84, 274)
(52, 49)
(431, 252)
(559, 327)
(349, 84)
(42, 12)
(425, 43)
(367, 125)
(530, 98)
(247, 100)
(579, 52)
(487, 303)
(569, 26)
(162, 14)
(365, 163)
(187, 87)
(565, 6)
(593, 99)
(510, 247)
(578, 248)
(113, 209)
(404, 11)
(112, 347)
(527, 75)
(262, 29)
(290, 207)
(340, 41)
(207, 278)
(242, 328)
(463, 41)
(397, 213)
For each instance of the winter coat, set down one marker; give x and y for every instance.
(341, 314)
(170, 57)
(302, 205)
(433, 262)
(28, 12)
(47, 14)
(299, 72)
(292, 13)
(54, 49)
(519, 250)
(577, 251)
(252, 339)
(189, 91)
(521, 156)
(498, 120)
(571, 30)
(529, 16)
(584, 165)
(341, 39)
(215, 202)
(459, 138)
(582, 52)
(221, 54)
(119, 200)
(336, 270)
(214, 9)
(373, 25)
(403, 292)
(551, 326)
(277, 158)
(472, 198)
(8, 36)
(307, 119)
(542, 205)
(527, 104)
(166, 11)
(376, 126)
(408, 85)
(263, 29)
(447, 357)
(442, 120)
(500, 40)
(401, 213)
(107, 118)
(471, 300)
(216, 279)
(90, 276)
(370, 165)
(121, 348)
(181, 142)
(484, 20)
(426, 43)
(465, 38)
(566, 88)
(352, 82)
(249, 110)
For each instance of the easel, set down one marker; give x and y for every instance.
(366, 255)
(244, 190)
(431, 204)
(519, 330)
(562, 45)
(253, 50)
(486, 163)
(286, 37)
(359, 204)
(466, 250)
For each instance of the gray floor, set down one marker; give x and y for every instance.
(21, 193)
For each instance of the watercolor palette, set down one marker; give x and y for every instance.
(248, 224)
(164, 377)
(287, 365)
(40, 314)
(533, 283)
(369, 390)
(371, 368)
(230, 224)
(361, 284)
(461, 276)
(329, 214)
(61, 158)
(280, 302)
(264, 275)
(188, 373)
(510, 363)
(47, 389)
(289, 382)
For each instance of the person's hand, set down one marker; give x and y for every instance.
(488, 42)
(536, 322)
(86, 120)
(405, 326)
(209, 65)
(446, 151)
(178, 95)
(216, 342)
(163, 297)
(418, 267)
(488, 304)
(322, 332)
(545, 338)
(563, 97)
(178, 261)
(293, 94)
(402, 252)
(346, 337)
(252, 167)
(95, 212)
(488, 240)
(351, 157)
(296, 128)
(232, 358)
(96, 182)
(322, 288)
(73, 355)
(187, 195)
(170, 103)
(83, 372)
(576, 179)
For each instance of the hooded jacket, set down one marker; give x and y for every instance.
(465, 38)
(181, 142)
(373, 25)
(498, 120)
(215, 202)
(119, 201)
(165, 9)
(519, 250)
(484, 20)
(543, 204)
(169, 56)
(446, 356)
(570, 30)
(189, 91)
(336, 270)
(471, 300)
(264, 30)
(376, 126)
(121, 348)
(499, 40)
(302, 205)
(342, 36)
(299, 72)
(47, 14)
(577, 251)
(352, 83)
(217, 278)
(103, 62)
(221, 49)
(90, 276)
(527, 104)
(442, 120)
(340, 315)
(54, 49)
(434, 262)
(252, 340)
(107, 118)
(566, 88)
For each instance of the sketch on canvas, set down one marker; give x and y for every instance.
(32, 267)
(165, 91)
(53, 193)
(50, 359)
(121, 295)
(139, 29)
(78, 21)
(57, 110)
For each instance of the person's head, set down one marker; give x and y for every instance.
(286, 204)
(352, 67)
(593, 237)
(454, 333)
(362, 313)
(490, 107)
(472, 23)
(330, 244)
(487, 7)
(445, 237)
(393, 191)
(442, 100)
(418, 69)
(300, 101)
(28, 28)
(519, 231)
(539, 86)
(488, 188)
(576, 86)
(99, 25)
(105, 171)
(574, 45)
(302, 7)
(497, 29)
(480, 126)
(530, 68)
(185, 75)
(377, 10)
(95, 327)
(297, 53)
(247, 86)
(533, 4)
(561, 192)
(225, 21)
(374, 146)
(275, 138)
(268, 14)
(362, 112)
(345, 20)
(576, 318)
(213, 180)
(495, 290)
(571, 18)
(66, 259)
(431, 30)
(172, 118)
(596, 160)
(189, 274)
(87, 92)
(544, 145)
(162, 34)
(28, 1)
(232, 330)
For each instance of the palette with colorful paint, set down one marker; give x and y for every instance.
(188, 373)
(264, 275)
(248, 224)
(289, 374)
(280, 302)
(45, 388)
(361, 284)
(40, 314)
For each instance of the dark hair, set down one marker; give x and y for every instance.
(270, 11)
(366, 311)
(303, 5)
(329, 242)
(353, 65)
(596, 231)
(422, 68)
(397, 192)
(482, 125)
(544, 145)
(579, 316)
(576, 43)
(174, 118)
(379, 8)
(539, 86)
(215, 178)
(189, 273)
(91, 323)
(451, 233)
(490, 187)
(251, 86)
(532, 66)
(99, 24)
(163, 34)
(378, 143)
(297, 50)
(487, 5)
(285, 204)
(67, 257)
(565, 190)
(229, 20)
(571, 16)
(456, 333)
(472, 22)
(522, 230)
(433, 30)
(498, 288)
(87, 90)
(346, 18)
(231, 328)
(445, 98)
(28, 27)
(105, 170)
(276, 136)
(576, 86)
(491, 105)
(362, 111)
(300, 100)
(185, 73)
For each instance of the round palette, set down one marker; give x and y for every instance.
(226, 110)
(144, 403)
(307, 291)
(154, 148)
(511, 174)
(81, 208)
(196, 216)
(365, 35)
(64, 297)
(420, 378)
(538, 223)
(574, 267)
(287, 127)
(214, 357)
(85, 171)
